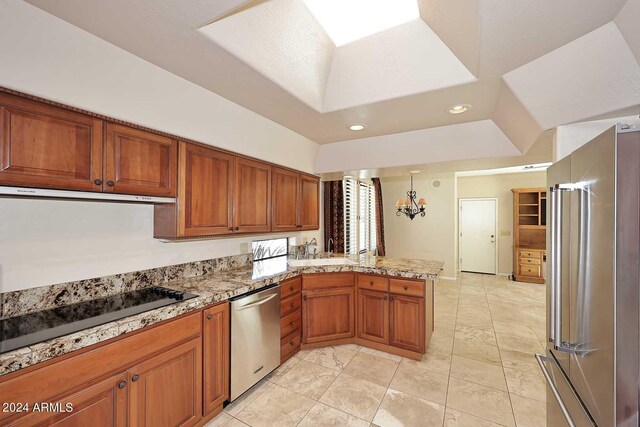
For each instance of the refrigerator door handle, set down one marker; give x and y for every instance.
(541, 359)
(556, 193)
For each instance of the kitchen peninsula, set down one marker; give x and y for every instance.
(383, 303)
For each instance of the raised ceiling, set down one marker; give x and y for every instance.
(526, 65)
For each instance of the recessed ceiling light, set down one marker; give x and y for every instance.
(458, 109)
(356, 127)
(345, 21)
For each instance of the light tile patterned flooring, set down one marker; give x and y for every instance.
(479, 370)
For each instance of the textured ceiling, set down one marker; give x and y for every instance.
(525, 65)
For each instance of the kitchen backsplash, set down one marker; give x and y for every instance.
(35, 299)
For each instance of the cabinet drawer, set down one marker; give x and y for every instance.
(406, 287)
(373, 283)
(530, 261)
(290, 287)
(328, 280)
(530, 270)
(290, 323)
(290, 304)
(290, 343)
(530, 254)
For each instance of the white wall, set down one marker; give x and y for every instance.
(500, 186)
(46, 242)
(430, 237)
(569, 138)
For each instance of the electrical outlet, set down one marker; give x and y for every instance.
(505, 233)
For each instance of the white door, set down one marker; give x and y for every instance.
(478, 245)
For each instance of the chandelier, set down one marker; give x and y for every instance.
(409, 206)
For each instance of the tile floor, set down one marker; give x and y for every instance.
(479, 370)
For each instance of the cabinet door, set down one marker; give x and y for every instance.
(105, 402)
(373, 316)
(252, 206)
(216, 356)
(166, 390)
(206, 191)
(407, 323)
(309, 208)
(328, 315)
(46, 146)
(284, 195)
(138, 162)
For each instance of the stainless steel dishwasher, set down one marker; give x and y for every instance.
(255, 337)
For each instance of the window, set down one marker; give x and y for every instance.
(359, 217)
(265, 249)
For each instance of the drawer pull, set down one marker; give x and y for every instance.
(292, 343)
(406, 287)
(292, 323)
(292, 305)
(291, 288)
(371, 283)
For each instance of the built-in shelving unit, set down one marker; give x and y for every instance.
(529, 233)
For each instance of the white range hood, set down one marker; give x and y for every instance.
(80, 195)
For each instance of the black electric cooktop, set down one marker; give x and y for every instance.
(21, 331)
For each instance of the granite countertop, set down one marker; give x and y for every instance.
(212, 288)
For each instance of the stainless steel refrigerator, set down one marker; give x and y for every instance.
(591, 363)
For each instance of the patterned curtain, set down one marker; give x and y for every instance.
(377, 187)
(334, 215)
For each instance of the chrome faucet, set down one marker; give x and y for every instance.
(307, 252)
(330, 245)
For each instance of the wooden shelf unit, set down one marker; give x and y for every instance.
(529, 233)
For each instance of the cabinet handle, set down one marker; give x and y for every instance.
(230, 228)
(304, 297)
(209, 316)
(406, 287)
(237, 228)
(122, 384)
(390, 298)
(371, 283)
(97, 181)
(291, 323)
(293, 305)
(291, 342)
(291, 288)
(385, 297)
(135, 378)
(111, 183)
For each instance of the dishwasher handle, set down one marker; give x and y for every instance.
(256, 303)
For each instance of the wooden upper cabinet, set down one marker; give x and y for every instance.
(206, 191)
(166, 390)
(216, 340)
(285, 196)
(139, 162)
(328, 314)
(252, 203)
(407, 322)
(309, 207)
(46, 146)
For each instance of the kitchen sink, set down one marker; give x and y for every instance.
(320, 261)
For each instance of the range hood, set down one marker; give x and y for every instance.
(45, 193)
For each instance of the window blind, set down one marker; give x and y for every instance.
(359, 217)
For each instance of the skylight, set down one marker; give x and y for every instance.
(348, 20)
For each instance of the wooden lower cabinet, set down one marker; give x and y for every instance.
(105, 402)
(160, 376)
(166, 390)
(407, 323)
(290, 317)
(373, 316)
(216, 340)
(328, 314)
